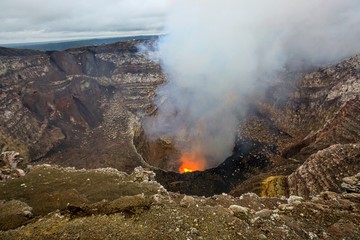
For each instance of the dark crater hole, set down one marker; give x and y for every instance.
(246, 160)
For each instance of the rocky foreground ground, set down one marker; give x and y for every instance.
(51, 202)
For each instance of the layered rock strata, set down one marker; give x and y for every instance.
(77, 107)
(314, 129)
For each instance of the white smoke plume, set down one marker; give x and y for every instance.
(215, 52)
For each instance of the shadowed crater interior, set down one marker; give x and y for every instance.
(248, 159)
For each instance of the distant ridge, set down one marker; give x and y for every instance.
(11, 52)
(62, 45)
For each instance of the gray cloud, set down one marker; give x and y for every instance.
(217, 52)
(41, 20)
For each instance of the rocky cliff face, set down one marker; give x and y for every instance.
(77, 107)
(325, 169)
(315, 130)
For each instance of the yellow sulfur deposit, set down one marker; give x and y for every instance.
(273, 186)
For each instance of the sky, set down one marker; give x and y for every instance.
(49, 20)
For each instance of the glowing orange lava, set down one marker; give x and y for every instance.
(191, 162)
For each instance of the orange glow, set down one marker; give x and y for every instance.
(191, 162)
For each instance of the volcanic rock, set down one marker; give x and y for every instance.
(312, 121)
(9, 161)
(325, 169)
(111, 204)
(54, 103)
(187, 201)
(352, 184)
(141, 175)
(240, 212)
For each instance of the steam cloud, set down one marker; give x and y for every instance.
(217, 51)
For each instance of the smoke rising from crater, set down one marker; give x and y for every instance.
(217, 52)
